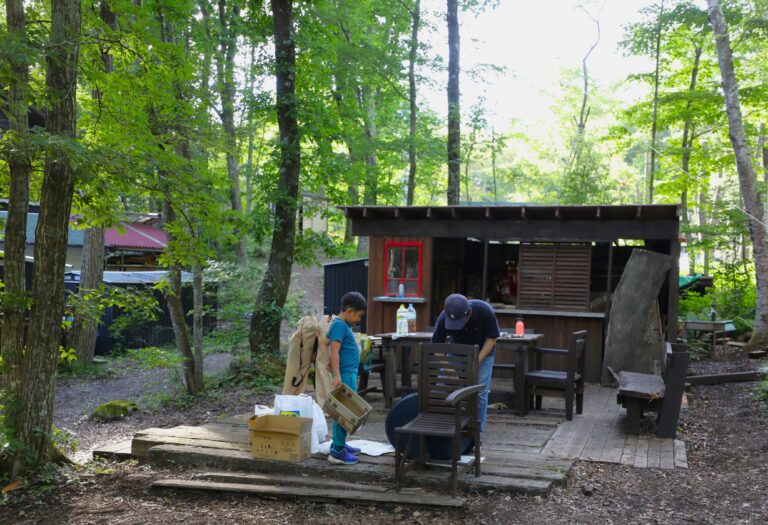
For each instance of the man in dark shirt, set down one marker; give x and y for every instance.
(471, 322)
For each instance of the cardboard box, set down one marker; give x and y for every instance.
(283, 438)
(347, 408)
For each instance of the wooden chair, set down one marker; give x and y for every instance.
(448, 407)
(570, 382)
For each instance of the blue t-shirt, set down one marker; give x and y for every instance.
(349, 352)
(480, 326)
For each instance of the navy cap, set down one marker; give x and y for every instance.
(456, 311)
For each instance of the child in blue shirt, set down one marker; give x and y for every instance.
(345, 360)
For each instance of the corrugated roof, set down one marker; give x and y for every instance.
(139, 236)
(74, 237)
(130, 277)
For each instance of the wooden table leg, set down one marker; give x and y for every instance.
(521, 367)
(407, 364)
(390, 370)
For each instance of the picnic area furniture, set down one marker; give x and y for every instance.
(569, 382)
(516, 349)
(713, 327)
(399, 348)
(642, 392)
(448, 407)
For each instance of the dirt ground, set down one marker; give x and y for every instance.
(725, 429)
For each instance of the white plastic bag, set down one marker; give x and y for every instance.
(304, 406)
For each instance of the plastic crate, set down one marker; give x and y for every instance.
(347, 408)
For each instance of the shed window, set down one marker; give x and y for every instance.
(403, 265)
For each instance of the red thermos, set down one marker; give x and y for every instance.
(519, 327)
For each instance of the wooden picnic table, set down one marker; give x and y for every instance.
(715, 327)
(403, 348)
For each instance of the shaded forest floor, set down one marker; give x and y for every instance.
(724, 429)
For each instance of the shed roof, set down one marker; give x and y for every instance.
(74, 237)
(523, 221)
(140, 236)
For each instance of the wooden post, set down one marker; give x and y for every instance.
(674, 275)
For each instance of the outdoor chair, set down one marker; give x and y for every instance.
(570, 382)
(448, 407)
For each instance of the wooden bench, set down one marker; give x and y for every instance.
(641, 392)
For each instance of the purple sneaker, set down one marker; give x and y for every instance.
(342, 457)
(351, 449)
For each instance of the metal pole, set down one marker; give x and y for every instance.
(485, 269)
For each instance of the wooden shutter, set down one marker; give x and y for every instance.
(554, 277)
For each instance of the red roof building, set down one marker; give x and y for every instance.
(136, 236)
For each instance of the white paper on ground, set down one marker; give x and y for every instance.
(367, 447)
(463, 461)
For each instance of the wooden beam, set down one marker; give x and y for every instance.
(734, 377)
(329, 493)
(528, 230)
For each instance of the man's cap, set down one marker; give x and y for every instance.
(456, 311)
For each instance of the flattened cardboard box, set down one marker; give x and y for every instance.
(283, 438)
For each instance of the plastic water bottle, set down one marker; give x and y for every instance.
(519, 327)
(402, 320)
(411, 319)
(401, 290)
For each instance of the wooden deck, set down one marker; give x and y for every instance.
(521, 454)
(599, 435)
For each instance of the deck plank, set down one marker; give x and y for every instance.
(681, 457)
(357, 496)
(641, 454)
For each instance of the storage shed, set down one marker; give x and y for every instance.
(554, 266)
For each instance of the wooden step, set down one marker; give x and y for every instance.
(314, 493)
(364, 472)
(120, 451)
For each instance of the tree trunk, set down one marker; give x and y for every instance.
(251, 132)
(225, 68)
(19, 166)
(412, 55)
(745, 169)
(82, 336)
(762, 152)
(267, 314)
(42, 352)
(494, 152)
(655, 106)
(454, 110)
(192, 374)
(197, 322)
(687, 144)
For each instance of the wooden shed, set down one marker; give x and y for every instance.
(554, 266)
